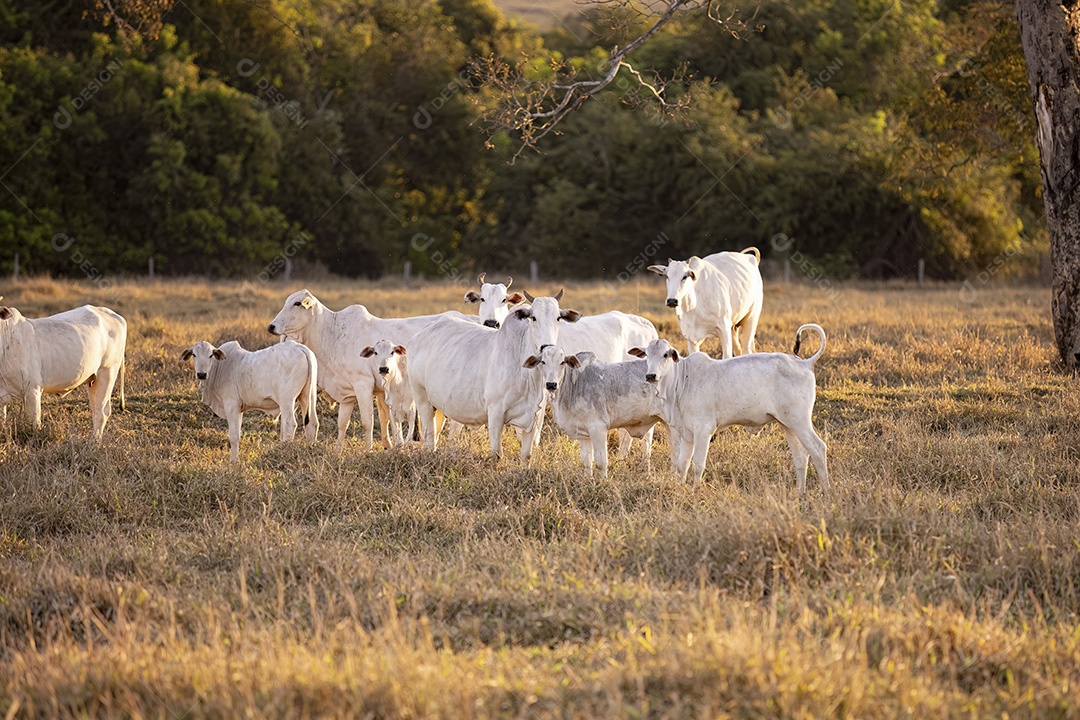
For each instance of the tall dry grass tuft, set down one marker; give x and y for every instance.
(149, 577)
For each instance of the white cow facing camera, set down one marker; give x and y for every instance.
(389, 361)
(234, 380)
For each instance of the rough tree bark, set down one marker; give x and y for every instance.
(1050, 33)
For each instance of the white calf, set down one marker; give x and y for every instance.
(389, 362)
(590, 398)
(700, 395)
(234, 381)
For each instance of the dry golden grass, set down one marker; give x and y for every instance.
(149, 578)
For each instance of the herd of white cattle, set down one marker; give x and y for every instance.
(504, 367)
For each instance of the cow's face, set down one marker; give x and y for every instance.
(660, 358)
(384, 355)
(680, 280)
(296, 313)
(205, 355)
(495, 301)
(553, 364)
(544, 316)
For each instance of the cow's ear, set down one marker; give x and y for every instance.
(187, 354)
(523, 313)
(367, 352)
(515, 298)
(531, 362)
(399, 349)
(636, 352)
(674, 355)
(307, 303)
(572, 361)
(218, 353)
(5, 313)
(570, 315)
(658, 269)
(471, 297)
(690, 274)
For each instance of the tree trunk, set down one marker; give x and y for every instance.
(1050, 33)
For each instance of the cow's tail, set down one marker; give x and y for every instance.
(753, 251)
(123, 372)
(311, 387)
(798, 341)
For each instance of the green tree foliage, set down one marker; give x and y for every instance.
(871, 133)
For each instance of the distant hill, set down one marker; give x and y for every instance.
(543, 13)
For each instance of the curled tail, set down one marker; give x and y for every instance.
(798, 341)
(753, 251)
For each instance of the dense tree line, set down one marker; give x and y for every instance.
(866, 134)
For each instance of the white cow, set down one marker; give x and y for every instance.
(57, 354)
(494, 300)
(337, 339)
(390, 363)
(716, 297)
(700, 395)
(234, 381)
(476, 375)
(590, 398)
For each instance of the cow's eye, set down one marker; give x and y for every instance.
(686, 276)
(298, 303)
(533, 318)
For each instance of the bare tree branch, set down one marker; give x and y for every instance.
(532, 108)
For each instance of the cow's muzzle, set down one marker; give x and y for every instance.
(384, 370)
(553, 386)
(491, 324)
(650, 377)
(200, 376)
(671, 302)
(270, 329)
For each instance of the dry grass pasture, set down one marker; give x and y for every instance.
(146, 577)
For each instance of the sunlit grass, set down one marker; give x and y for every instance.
(147, 577)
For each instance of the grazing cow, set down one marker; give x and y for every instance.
(234, 380)
(57, 354)
(589, 398)
(700, 395)
(494, 301)
(392, 367)
(476, 375)
(337, 339)
(717, 296)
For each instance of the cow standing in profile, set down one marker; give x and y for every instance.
(57, 354)
(234, 381)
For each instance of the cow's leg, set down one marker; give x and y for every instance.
(288, 419)
(599, 436)
(426, 412)
(236, 424)
(693, 346)
(799, 455)
(701, 438)
(410, 424)
(366, 406)
(816, 448)
(646, 443)
(725, 341)
(495, 426)
(681, 441)
(531, 438)
(750, 324)
(586, 448)
(344, 414)
(736, 341)
(386, 423)
(101, 398)
(624, 443)
(455, 427)
(32, 404)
